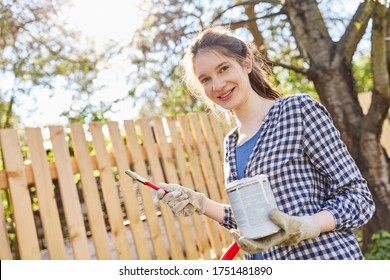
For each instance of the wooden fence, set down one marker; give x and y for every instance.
(77, 202)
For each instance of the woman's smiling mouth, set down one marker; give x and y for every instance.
(226, 95)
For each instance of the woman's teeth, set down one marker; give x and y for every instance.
(226, 94)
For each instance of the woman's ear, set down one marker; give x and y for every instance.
(248, 64)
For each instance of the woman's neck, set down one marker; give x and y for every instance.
(251, 115)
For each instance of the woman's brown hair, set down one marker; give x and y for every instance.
(219, 39)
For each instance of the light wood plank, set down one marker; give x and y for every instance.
(139, 162)
(200, 184)
(110, 193)
(53, 172)
(218, 134)
(214, 152)
(90, 193)
(46, 198)
(365, 103)
(129, 195)
(206, 155)
(69, 195)
(186, 180)
(26, 232)
(5, 249)
(170, 172)
(154, 162)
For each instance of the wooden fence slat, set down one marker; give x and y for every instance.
(129, 195)
(5, 249)
(199, 181)
(26, 232)
(208, 167)
(137, 155)
(205, 161)
(90, 193)
(365, 103)
(3, 180)
(110, 193)
(46, 198)
(220, 130)
(69, 195)
(185, 150)
(186, 180)
(154, 162)
(214, 151)
(219, 133)
(170, 172)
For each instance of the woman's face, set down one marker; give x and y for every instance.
(225, 81)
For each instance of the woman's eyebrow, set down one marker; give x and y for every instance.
(216, 67)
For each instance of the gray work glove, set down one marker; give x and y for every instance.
(293, 230)
(183, 201)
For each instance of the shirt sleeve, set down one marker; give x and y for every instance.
(349, 198)
(229, 222)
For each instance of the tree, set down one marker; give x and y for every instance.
(331, 72)
(295, 35)
(39, 48)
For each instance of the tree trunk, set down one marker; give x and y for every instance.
(338, 96)
(331, 72)
(375, 167)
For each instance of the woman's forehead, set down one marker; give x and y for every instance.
(208, 59)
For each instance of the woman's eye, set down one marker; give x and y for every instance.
(224, 68)
(205, 80)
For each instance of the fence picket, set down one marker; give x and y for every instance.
(213, 148)
(5, 249)
(170, 172)
(154, 162)
(200, 184)
(90, 193)
(110, 193)
(136, 154)
(69, 195)
(46, 199)
(219, 133)
(129, 195)
(26, 232)
(186, 180)
(207, 167)
(123, 218)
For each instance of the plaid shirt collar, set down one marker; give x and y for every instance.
(232, 138)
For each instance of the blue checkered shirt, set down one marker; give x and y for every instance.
(310, 169)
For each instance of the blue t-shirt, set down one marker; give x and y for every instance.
(243, 153)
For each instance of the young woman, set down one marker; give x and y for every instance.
(322, 197)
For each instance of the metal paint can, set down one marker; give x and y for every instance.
(252, 200)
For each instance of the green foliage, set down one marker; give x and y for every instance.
(40, 50)
(7, 117)
(379, 248)
(290, 82)
(362, 72)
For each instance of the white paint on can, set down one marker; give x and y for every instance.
(252, 200)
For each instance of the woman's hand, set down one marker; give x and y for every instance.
(183, 201)
(293, 230)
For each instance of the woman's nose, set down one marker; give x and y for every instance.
(218, 84)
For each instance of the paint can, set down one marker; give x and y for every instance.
(252, 200)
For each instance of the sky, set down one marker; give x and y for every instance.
(102, 20)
